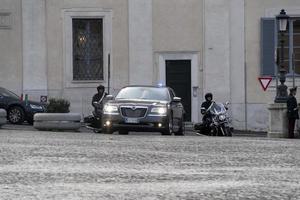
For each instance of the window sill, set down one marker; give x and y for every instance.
(86, 82)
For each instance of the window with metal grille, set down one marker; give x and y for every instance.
(87, 49)
(291, 44)
(296, 45)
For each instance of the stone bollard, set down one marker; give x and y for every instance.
(2, 117)
(297, 126)
(57, 121)
(278, 122)
(297, 129)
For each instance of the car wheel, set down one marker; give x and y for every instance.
(180, 129)
(169, 128)
(122, 132)
(16, 115)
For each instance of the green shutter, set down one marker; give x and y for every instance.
(267, 46)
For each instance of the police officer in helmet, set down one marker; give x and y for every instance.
(204, 111)
(98, 98)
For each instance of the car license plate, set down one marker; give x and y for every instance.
(131, 120)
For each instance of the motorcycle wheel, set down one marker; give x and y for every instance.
(228, 132)
(180, 132)
(223, 131)
(214, 131)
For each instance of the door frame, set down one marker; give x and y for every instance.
(193, 56)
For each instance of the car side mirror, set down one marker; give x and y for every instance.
(227, 103)
(177, 99)
(109, 97)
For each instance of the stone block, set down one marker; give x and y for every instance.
(278, 122)
(57, 121)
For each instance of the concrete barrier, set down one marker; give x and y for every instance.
(57, 121)
(278, 123)
(3, 118)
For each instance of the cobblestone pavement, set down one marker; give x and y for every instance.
(83, 165)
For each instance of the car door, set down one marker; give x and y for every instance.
(177, 110)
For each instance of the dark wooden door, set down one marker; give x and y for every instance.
(178, 77)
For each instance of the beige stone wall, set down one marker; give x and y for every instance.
(55, 38)
(168, 18)
(81, 96)
(11, 47)
(257, 99)
(178, 34)
(177, 25)
(255, 9)
(178, 28)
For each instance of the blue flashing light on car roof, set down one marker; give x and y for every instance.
(160, 85)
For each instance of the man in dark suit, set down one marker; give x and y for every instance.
(292, 111)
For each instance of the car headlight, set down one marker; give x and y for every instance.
(222, 117)
(36, 107)
(110, 109)
(159, 110)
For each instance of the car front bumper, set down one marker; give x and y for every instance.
(148, 123)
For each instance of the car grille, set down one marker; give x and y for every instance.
(132, 111)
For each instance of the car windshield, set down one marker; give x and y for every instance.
(144, 93)
(7, 93)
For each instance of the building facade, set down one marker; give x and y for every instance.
(67, 48)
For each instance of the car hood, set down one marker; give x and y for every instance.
(137, 102)
(23, 102)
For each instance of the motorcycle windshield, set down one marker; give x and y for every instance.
(217, 108)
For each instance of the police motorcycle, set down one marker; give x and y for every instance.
(94, 121)
(218, 124)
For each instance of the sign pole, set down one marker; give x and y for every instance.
(108, 74)
(276, 58)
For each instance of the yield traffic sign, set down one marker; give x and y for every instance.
(265, 81)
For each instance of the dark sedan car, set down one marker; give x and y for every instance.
(144, 108)
(17, 110)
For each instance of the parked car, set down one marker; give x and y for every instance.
(18, 110)
(144, 108)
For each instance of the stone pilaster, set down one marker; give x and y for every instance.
(140, 42)
(34, 47)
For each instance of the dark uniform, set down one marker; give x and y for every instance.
(292, 111)
(205, 105)
(206, 120)
(99, 97)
